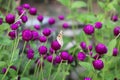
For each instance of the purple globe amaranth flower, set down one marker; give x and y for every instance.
(30, 54)
(55, 45)
(61, 17)
(50, 58)
(114, 18)
(33, 11)
(42, 39)
(51, 51)
(26, 6)
(101, 49)
(57, 59)
(88, 29)
(37, 27)
(70, 59)
(13, 67)
(35, 35)
(116, 30)
(10, 18)
(91, 53)
(42, 50)
(51, 21)
(27, 35)
(19, 22)
(14, 26)
(98, 64)
(90, 47)
(12, 34)
(1, 21)
(40, 18)
(22, 11)
(24, 19)
(4, 70)
(46, 32)
(81, 56)
(65, 25)
(18, 8)
(115, 52)
(83, 45)
(87, 78)
(98, 25)
(64, 55)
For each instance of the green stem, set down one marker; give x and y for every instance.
(10, 60)
(21, 56)
(58, 70)
(26, 67)
(9, 2)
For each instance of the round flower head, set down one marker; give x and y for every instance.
(116, 30)
(42, 50)
(51, 21)
(98, 64)
(114, 18)
(18, 8)
(61, 17)
(88, 29)
(24, 19)
(46, 32)
(98, 25)
(51, 51)
(26, 6)
(115, 52)
(40, 18)
(65, 25)
(37, 27)
(87, 78)
(10, 18)
(55, 45)
(81, 56)
(57, 59)
(33, 11)
(14, 26)
(35, 35)
(30, 54)
(12, 34)
(64, 55)
(42, 39)
(18, 22)
(1, 21)
(50, 58)
(13, 67)
(22, 11)
(83, 45)
(70, 59)
(90, 47)
(27, 35)
(4, 70)
(101, 48)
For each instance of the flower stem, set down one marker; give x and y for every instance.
(26, 67)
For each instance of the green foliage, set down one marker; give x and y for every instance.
(78, 4)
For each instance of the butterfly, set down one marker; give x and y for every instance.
(60, 38)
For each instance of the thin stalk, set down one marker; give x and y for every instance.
(21, 56)
(26, 67)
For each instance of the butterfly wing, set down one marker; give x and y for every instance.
(59, 38)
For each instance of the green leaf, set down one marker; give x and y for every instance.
(86, 65)
(2, 63)
(4, 26)
(24, 78)
(13, 73)
(78, 4)
(101, 4)
(111, 45)
(65, 2)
